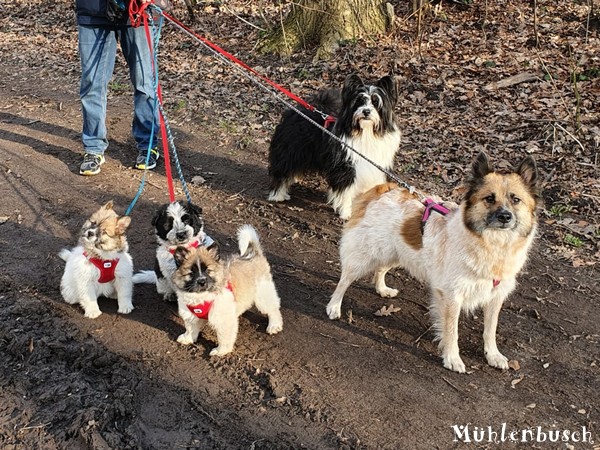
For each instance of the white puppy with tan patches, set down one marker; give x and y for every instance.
(100, 265)
(217, 291)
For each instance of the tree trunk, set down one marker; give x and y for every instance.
(327, 23)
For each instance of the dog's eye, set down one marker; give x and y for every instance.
(376, 100)
(515, 199)
(185, 218)
(490, 199)
(203, 267)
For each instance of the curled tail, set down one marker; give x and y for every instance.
(64, 254)
(248, 242)
(145, 276)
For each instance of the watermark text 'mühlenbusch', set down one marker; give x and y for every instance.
(466, 433)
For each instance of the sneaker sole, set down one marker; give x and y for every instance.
(144, 167)
(88, 173)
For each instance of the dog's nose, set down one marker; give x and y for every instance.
(201, 282)
(90, 234)
(504, 216)
(181, 235)
(366, 112)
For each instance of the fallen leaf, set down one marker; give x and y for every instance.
(386, 310)
(514, 364)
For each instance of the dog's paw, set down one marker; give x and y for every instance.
(125, 309)
(497, 360)
(345, 214)
(387, 292)
(92, 314)
(274, 328)
(334, 311)
(185, 339)
(278, 197)
(220, 351)
(454, 363)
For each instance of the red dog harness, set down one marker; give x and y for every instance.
(106, 267)
(201, 310)
(194, 244)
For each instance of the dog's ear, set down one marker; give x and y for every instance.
(351, 83)
(108, 205)
(481, 167)
(180, 255)
(195, 208)
(122, 224)
(214, 251)
(388, 85)
(527, 170)
(161, 211)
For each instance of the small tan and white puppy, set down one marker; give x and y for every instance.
(211, 289)
(468, 254)
(100, 265)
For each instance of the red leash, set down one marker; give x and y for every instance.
(239, 62)
(328, 118)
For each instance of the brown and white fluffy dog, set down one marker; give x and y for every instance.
(469, 257)
(220, 290)
(100, 265)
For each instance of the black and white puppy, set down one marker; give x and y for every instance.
(364, 121)
(177, 224)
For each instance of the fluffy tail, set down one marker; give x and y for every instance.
(248, 242)
(64, 254)
(145, 276)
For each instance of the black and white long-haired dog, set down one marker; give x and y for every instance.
(364, 121)
(177, 224)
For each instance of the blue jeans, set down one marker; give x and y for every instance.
(97, 52)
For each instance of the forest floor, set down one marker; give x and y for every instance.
(363, 382)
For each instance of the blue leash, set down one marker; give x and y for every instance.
(157, 105)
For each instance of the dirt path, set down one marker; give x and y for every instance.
(123, 382)
(364, 382)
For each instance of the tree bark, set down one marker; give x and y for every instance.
(327, 23)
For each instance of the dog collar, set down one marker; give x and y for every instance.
(194, 244)
(329, 121)
(106, 266)
(201, 310)
(430, 205)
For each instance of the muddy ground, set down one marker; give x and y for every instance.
(364, 382)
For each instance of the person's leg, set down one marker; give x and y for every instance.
(97, 50)
(145, 114)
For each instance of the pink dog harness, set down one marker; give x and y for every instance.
(430, 205)
(106, 267)
(201, 310)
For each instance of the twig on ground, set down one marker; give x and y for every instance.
(423, 334)
(35, 427)
(340, 342)
(570, 134)
(450, 384)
